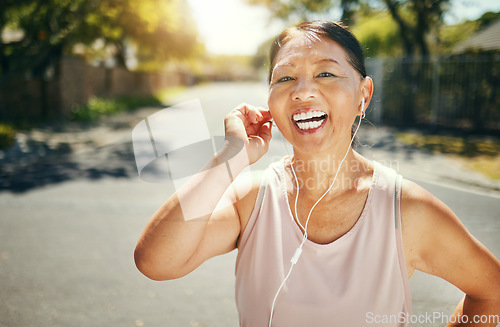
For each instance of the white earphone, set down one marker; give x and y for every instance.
(363, 114)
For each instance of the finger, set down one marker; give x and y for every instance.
(248, 114)
(266, 114)
(265, 132)
(252, 117)
(263, 115)
(256, 112)
(248, 127)
(243, 115)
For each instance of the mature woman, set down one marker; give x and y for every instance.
(325, 237)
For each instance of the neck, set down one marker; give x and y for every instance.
(316, 172)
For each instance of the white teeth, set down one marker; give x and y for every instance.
(318, 113)
(308, 115)
(310, 124)
(298, 118)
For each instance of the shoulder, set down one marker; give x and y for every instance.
(415, 198)
(421, 210)
(423, 217)
(436, 242)
(245, 190)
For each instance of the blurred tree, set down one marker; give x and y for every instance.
(306, 9)
(300, 8)
(452, 35)
(261, 58)
(487, 18)
(348, 10)
(416, 18)
(378, 33)
(159, 29)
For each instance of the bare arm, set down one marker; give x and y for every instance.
(437, 243)
(186, 231)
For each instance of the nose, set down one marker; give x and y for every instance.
(304, 90)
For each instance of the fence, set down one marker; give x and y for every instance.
(457, 92)
(27, 99)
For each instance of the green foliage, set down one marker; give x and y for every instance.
(167, 94)
(225, 68)
(459, 145)
(487, 18)
(378, 34)
(45, 27)
(415, 20)
(261, 58)
(295, 9)
(7, 135)
(98, 107)
(481, 154)
(95, 108)
(452, 35)
(159, 30)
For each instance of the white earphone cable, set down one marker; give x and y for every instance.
(298, 252)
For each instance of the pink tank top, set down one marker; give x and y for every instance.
(358, 280)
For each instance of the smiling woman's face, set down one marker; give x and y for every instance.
(315, 93)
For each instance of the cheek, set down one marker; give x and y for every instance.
(274, 104)
(342, 96)
(277, 110)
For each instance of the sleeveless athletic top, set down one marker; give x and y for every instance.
(358, 280)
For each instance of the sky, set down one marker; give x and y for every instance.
(233, 27)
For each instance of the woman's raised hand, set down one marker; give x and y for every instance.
(252, 125)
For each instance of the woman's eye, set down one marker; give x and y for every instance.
(284, 79)
(326, 74)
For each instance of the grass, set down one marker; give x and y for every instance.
(98, 107)
(490, 166)
(167, 94)
(7, 135)
(481, 154)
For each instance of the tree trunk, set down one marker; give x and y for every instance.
(421, 30)
(347, 12)
(404, 30)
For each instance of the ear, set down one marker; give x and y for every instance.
(366, 93)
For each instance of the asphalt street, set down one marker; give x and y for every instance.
(71, 214)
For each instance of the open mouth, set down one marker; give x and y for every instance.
(309, 120)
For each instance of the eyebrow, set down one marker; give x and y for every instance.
(327, 60)
(290, 64)
(284, 65)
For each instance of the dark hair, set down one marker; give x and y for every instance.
(317, 29)
(336, 32)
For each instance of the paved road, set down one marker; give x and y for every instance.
(69, 222)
